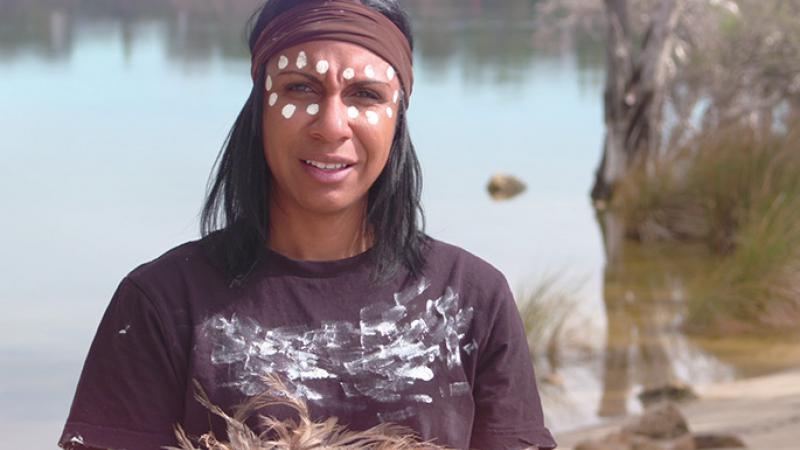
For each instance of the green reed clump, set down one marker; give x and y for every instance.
(545, 309)
(740, 194)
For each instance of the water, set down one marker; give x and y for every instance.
(112, 115)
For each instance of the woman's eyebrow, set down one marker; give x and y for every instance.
(297, 72)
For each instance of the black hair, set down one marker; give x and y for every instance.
(236, 209)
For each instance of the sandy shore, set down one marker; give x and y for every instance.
(764, 412)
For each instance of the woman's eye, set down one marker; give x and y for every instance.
(367, 94)
(300, 87)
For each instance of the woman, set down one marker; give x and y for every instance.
(313, 267)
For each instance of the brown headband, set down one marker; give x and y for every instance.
(337, 20)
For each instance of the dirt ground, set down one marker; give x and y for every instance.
(764, 412)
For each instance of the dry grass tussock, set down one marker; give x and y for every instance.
(300, 434)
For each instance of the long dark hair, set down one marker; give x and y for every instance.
(236, 210)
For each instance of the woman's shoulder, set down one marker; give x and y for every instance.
(467, 269)
(184, 265)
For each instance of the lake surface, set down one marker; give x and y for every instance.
(112, 114)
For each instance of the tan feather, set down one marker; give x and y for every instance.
(302, 434)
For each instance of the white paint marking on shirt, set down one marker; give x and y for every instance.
(396, 416)
(288, 111)
(322, 66)
(369, 71)
(372, 117)
(459, 388)
(394, 346)
(312, 109)
(348, 73)
(124, 330)
(352, 112)
(422, 398)
(302, 60)
(273, 98)
(283, 62)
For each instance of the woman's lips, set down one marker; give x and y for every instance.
(326, 172)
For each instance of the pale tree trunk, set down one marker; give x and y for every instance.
(635, 89)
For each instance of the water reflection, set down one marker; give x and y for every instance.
(487, 40)
(645, 292)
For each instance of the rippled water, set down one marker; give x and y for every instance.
(113, 112)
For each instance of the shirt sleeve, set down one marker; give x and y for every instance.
(508, 409)
(131, 390)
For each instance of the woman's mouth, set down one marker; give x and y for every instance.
(326, 166)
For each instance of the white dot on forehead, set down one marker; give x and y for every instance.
(352, 112)
(390, 73)
(283, 61)
(302, 60)
(372, 117)
(273, 98)
(369, 72)
(288, 111)
(312, 109)
(322, 66)
(269, 83)
(348, 73)
(389, 112)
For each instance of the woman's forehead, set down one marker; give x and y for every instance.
(335, 53)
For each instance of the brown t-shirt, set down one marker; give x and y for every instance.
(444, 354)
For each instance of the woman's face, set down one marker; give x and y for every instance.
(328, 122)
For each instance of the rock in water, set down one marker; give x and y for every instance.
(504, 187)
(674, 391)
(664, 421)
(709, 441)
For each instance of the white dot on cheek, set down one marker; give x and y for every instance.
(389, 112)
(372, 117)
(396, 96)
(283, 62)
(369, 72)
(288, 111)
(273, 98)
(352, 112)
(322, 66)
(312, 109)
(302, 60)
(269, 83)
(348, 73)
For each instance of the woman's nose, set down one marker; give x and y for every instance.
(332, 123)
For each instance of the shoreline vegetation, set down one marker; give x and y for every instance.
(737, 192)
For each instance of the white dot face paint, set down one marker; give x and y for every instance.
(312, 109)
(390, 73)
(302, 60)
(349, 73)
(288, 111)
(396, 96)
(273, 98)
(369, 72)
(372, 117)
(352, 112)
(283, 62)
(269, 83)
(389, 112)
(322, 67)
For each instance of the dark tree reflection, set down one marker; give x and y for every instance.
(486, 40)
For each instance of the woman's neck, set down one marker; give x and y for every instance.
(310, 236)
